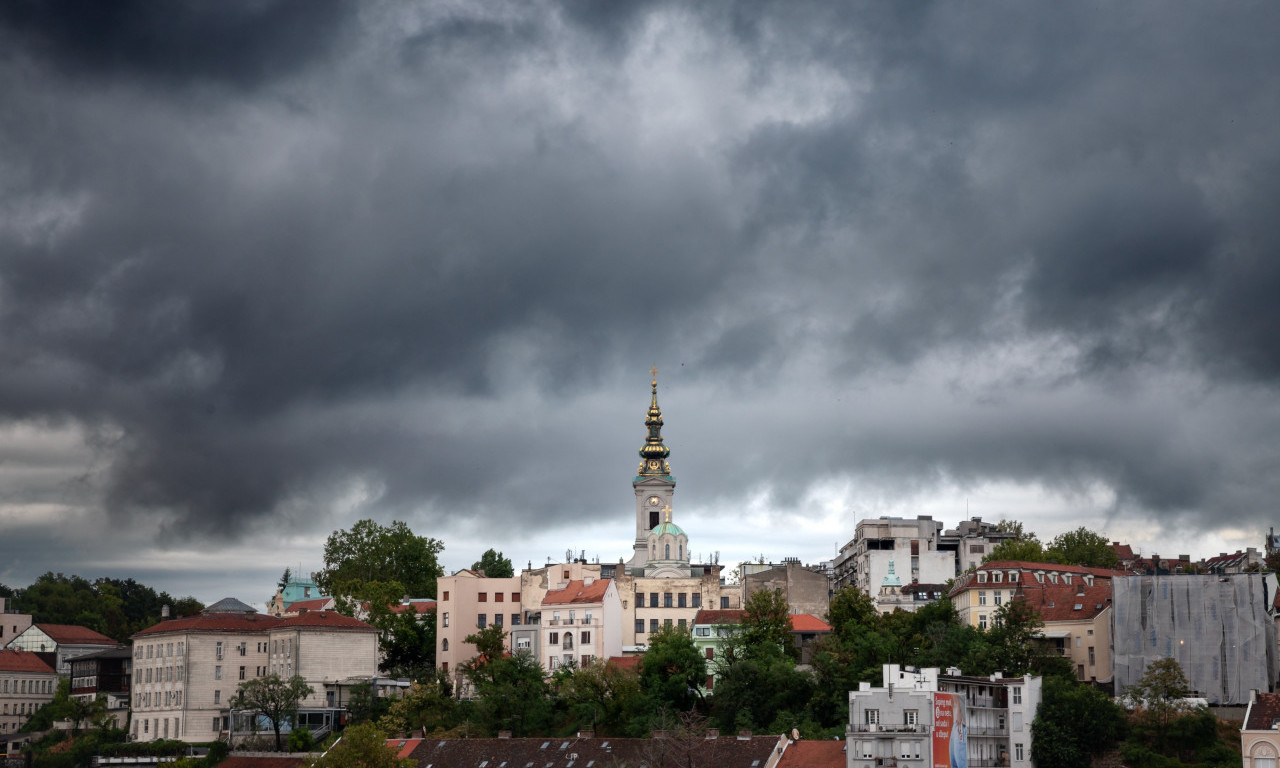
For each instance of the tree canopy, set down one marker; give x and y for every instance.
(361, 746)
(115, 607)
(370, 554)
(1082, 547)
(494, 565)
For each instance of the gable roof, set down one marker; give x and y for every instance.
(419, 605)
(575, 592)
(807, 622)
(719, 616)
(1263, 711)
(814, 754)
(969, 580)
(70, 634)
(314, 604)
(23, 661)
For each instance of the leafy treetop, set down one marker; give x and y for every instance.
(494, 565)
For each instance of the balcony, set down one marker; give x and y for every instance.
(881, 728)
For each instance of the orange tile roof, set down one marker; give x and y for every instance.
(626, 662)
(814, 754)
(805, 622)
(969, 580)
(575, 593)
(70, 634)
(403, 747)
(23, 661)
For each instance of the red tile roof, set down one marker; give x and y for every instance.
(719, 616)
(1263, 712)
(316, 604)
(576, 592)
(324, 620)
(70, 634)
(23, 661)
(969, 580)
(804, 622)
(214, 622)
(1057, 602)
(1123, 551)
(626, 662)
(403, 747)
(814, 754)
(420, 607)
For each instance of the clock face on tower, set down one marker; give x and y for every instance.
(654, 501)
(654, 464)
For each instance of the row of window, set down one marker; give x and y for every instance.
(155, 725)
(674, 600)
(483, 597)
(27, 686)
(158, 650)
(998, 576)
(554, 638)
(23, 707)
(556, 661)
(482, 620)
(160, 699)
(997, 595)
(653, 625)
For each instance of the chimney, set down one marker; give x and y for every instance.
(744, 735)
(504, 734)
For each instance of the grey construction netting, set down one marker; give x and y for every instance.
(1219, 628)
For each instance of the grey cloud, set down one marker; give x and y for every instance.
(432, 235)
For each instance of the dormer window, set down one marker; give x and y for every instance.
(1066, 578)
(1013, 576)
(1040, 576)
(997, 577)
(982, 577)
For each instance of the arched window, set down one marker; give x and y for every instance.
(445, 645)
(668, 552)
(681, 551)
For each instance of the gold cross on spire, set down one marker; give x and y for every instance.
(666, 510)
(654, 372)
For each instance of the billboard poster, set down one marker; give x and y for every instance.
(950, 742)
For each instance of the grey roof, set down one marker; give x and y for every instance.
(230, 605)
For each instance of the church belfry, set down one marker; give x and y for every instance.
(653, 484)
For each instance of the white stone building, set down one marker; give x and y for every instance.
(27, 683)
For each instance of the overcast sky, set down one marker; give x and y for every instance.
(270, 268)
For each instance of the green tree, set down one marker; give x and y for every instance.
(285, 578)
(765, 629)
(512, 695)
(372, 553)
(494, 565)
(1160, 693)
(274, 698)
(851, 611)
(408, 643)
(361, 746)
(672, 669)
(1014, 637)
(428, 705)
(1082, 547)
(1073, 724)
(753, 692)
(1013, 549)
(603, 697)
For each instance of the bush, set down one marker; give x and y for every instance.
(301, 740)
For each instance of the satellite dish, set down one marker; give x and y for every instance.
(795, 734)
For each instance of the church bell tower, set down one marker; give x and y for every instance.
(653, 485)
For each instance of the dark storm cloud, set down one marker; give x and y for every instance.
(241, 43)
(410, 265)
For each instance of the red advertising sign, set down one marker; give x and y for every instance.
(950, 749)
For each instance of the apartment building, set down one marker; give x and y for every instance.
(978, 594)
(913, 547)
(923, 718)
(186, 671)
(468, 600)
(27, 683)
(108, 674)
(581, 622)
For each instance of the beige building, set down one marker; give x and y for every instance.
(187, 671)
(977, 594)
(581, 623)
(27, 683)
(806, 589)
(1077, 623)
(469, 601)
(913, 546)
